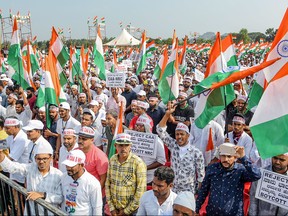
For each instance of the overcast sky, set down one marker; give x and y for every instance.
(157, 17)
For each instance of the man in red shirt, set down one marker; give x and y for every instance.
(96, 162)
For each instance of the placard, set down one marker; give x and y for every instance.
(121, 68)
(273, 188)
(128, 63)
(198, 75)
(143, 144)
(115, 80)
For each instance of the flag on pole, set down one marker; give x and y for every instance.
(278, 49)
(215, 61)
(182, 58)
(169, 83)
(99, 56)
(28, 54)
(269, 126)
(142, 58)
(161, 65)
(60, 55)
(103, 21)
(150, 47)
(118, 130)
(15, 58)
(174, 38)
(114, 61)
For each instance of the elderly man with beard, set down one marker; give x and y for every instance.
(81, 190)
(259, 207)
(159, 200)
(69, 144)
(224, 182)
(187, 160)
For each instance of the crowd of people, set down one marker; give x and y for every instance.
(73, 156)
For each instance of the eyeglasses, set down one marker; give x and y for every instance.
(43, 159)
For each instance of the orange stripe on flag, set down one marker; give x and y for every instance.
(215, 52)
(51, 67)
(281, 73)
(242, 74)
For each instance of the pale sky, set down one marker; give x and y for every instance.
(157, 17)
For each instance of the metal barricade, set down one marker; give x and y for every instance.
(7, 200)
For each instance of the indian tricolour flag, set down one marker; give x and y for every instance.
(60, 55)
(215, 61)
(269, 125)
(143, 54)
(118, 130)
(279, 48)
(28, 52)
(99, 55)
(74, 66)
(256, 91)
(161, 65)
(182, 58)
(150, 48)
(49, 91)
(211, 86)
(169, 82)
(212, 102)
(15, 58)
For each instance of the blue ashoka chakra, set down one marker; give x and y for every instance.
(282, 48)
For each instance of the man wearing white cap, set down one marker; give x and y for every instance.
(100, 94)
(81, 190)
(69, 144)
(259, 207)
(187, 82)
(141, 109)
(131, 114)
(159, 200)
(73, 97)
(42, 180)
(141, 96)
(143, 125)
(184, 204)
(17, 142)
(187, 160)
(238, 136)
(99, 113)
(34, 130)
(126, 178)
(65, 121)
(96, 162)
(224, 181)
(241, 107)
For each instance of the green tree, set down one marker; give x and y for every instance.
(270, 34)
(243, 34)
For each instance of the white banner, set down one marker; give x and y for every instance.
(115, 80)
(273, 188)
(143, 144)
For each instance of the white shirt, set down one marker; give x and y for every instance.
(2, 111)
(49, 183)
(149, 204)
(83, 196)
(25, 116)
(199, 138)
(160, 157)
(63, 153)
(245, 141)
(18, 152)
(11, 111)
(32, 147)
(71, 123)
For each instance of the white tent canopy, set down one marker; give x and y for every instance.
(124, 39)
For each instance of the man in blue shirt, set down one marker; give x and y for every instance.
(225, 182)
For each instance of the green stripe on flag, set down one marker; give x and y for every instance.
(273, 143)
